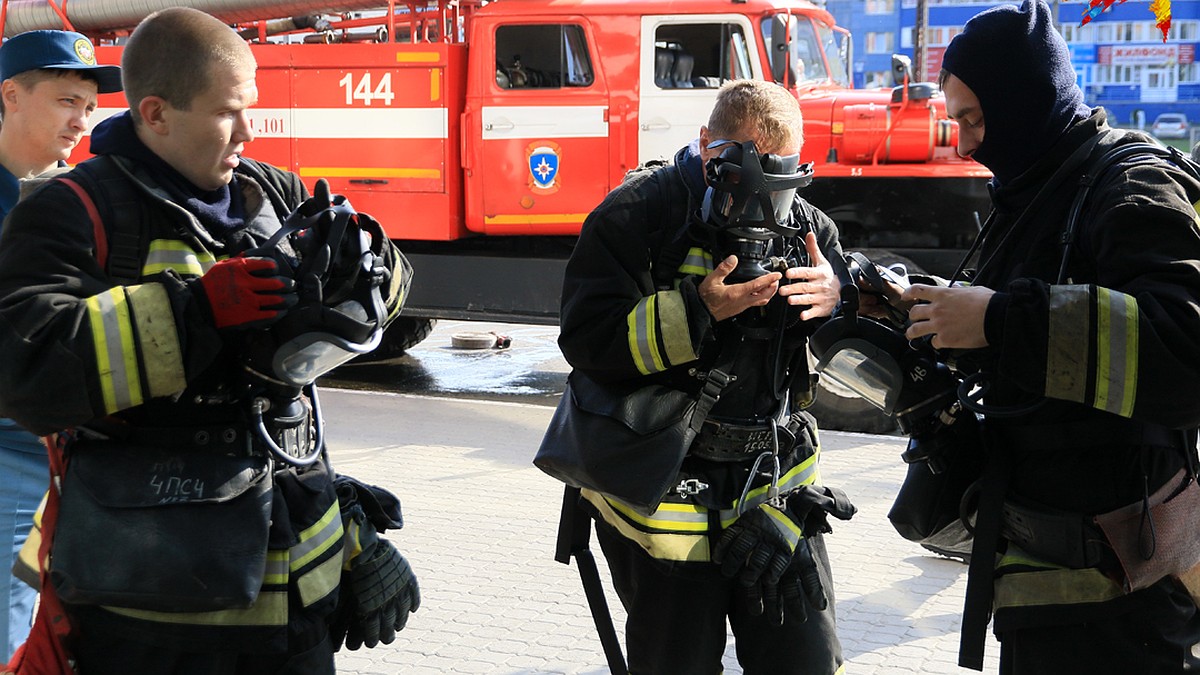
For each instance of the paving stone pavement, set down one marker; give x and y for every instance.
(480, 529)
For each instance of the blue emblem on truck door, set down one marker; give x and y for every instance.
(543, 166)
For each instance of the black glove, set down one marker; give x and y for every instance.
(378, 594)
(800, 586)
(756, 550)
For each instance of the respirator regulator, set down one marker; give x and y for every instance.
(749, 203)
(343, 266)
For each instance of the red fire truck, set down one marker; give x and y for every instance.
(482, 133)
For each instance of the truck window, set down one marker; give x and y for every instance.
(699, 55)
(542, 56)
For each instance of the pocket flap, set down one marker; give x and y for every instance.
(644, 409)
(139, 476)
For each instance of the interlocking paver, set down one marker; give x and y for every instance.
(480, 530)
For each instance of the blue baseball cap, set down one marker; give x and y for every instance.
(55, 49)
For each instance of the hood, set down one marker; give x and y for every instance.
(1018, 66)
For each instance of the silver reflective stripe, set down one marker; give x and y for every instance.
(112, 338)
(1116, 352)
(643, 346)
(317, 538)
(698, 261)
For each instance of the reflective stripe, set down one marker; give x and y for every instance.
(157, 339)
(317, 538)
(807, 472)
(276, 573)
(642, 343)
(173, 254)
(673, 325)
(1116, 352)
(270, 609)
(667, 518)
(664, 546)
(116, 360)
(1067, 345)
(786, 526)
(698, 261)
(320, 581)
(1055, 587)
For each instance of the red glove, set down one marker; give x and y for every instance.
(247, 292)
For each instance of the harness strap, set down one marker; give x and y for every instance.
(97, 225)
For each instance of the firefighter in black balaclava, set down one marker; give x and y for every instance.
(1087, 356)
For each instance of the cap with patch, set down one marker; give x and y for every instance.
(55, 49)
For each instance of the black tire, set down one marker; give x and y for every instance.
(836, 407)
(404, 334)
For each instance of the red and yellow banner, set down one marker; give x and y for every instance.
(1160, 8)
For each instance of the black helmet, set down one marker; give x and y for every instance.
(750, 193)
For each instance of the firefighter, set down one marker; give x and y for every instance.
(49, 80)
(129, 299)
(654, 293)
(1087, 354)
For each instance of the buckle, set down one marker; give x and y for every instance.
(690, 487)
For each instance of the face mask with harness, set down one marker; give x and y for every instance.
(351, 283)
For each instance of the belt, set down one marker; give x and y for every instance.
(1069, 539)
(727, 442)
(229, 437)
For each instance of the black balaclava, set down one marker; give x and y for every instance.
(1019, 67)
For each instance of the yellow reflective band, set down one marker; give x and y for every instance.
(270, 609)
(1016, 556)
(1116, 351)
(155, 322)
(663, 546)
(276, 573)
(172, 254)
(789, 529)
(317, 538)
(1067, 346)
(807, 472)
(668, 517)
(673, 323)
(320, 581)
(643, 345)
(116, 360)
(698, 261)
(1055, 587)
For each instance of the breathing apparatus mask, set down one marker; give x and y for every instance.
(350, 282)
(749, 203)
(908, 380)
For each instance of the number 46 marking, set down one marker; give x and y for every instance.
(363, 91)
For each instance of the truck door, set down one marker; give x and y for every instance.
(542, 120)
(684, 60)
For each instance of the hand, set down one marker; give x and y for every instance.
(756, 550)
(246, 292)
(383, 592)
(820, 289)
(953, 316)
(728, 300)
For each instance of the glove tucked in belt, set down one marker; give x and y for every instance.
(767, 551)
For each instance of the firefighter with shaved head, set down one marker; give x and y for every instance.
(158, 318)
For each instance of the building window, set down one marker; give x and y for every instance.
(879, 43)
(877, 78)
(880, 6)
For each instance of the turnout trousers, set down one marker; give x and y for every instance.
(677, 613)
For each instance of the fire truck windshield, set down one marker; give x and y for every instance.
(814, 54)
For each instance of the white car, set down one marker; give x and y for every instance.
(1170, 125)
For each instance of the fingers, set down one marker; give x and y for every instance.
(387, 625)
(791, 593)
(814, 251)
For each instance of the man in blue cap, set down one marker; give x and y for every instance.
(49, 81)
(1085, 343)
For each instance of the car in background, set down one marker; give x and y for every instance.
(1170, 125)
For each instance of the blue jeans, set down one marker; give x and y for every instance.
(25, 468)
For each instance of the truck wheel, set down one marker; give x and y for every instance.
(836, 407)
(404, 333)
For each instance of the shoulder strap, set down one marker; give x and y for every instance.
(100, 184)
(97, 224)
(669, 244)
